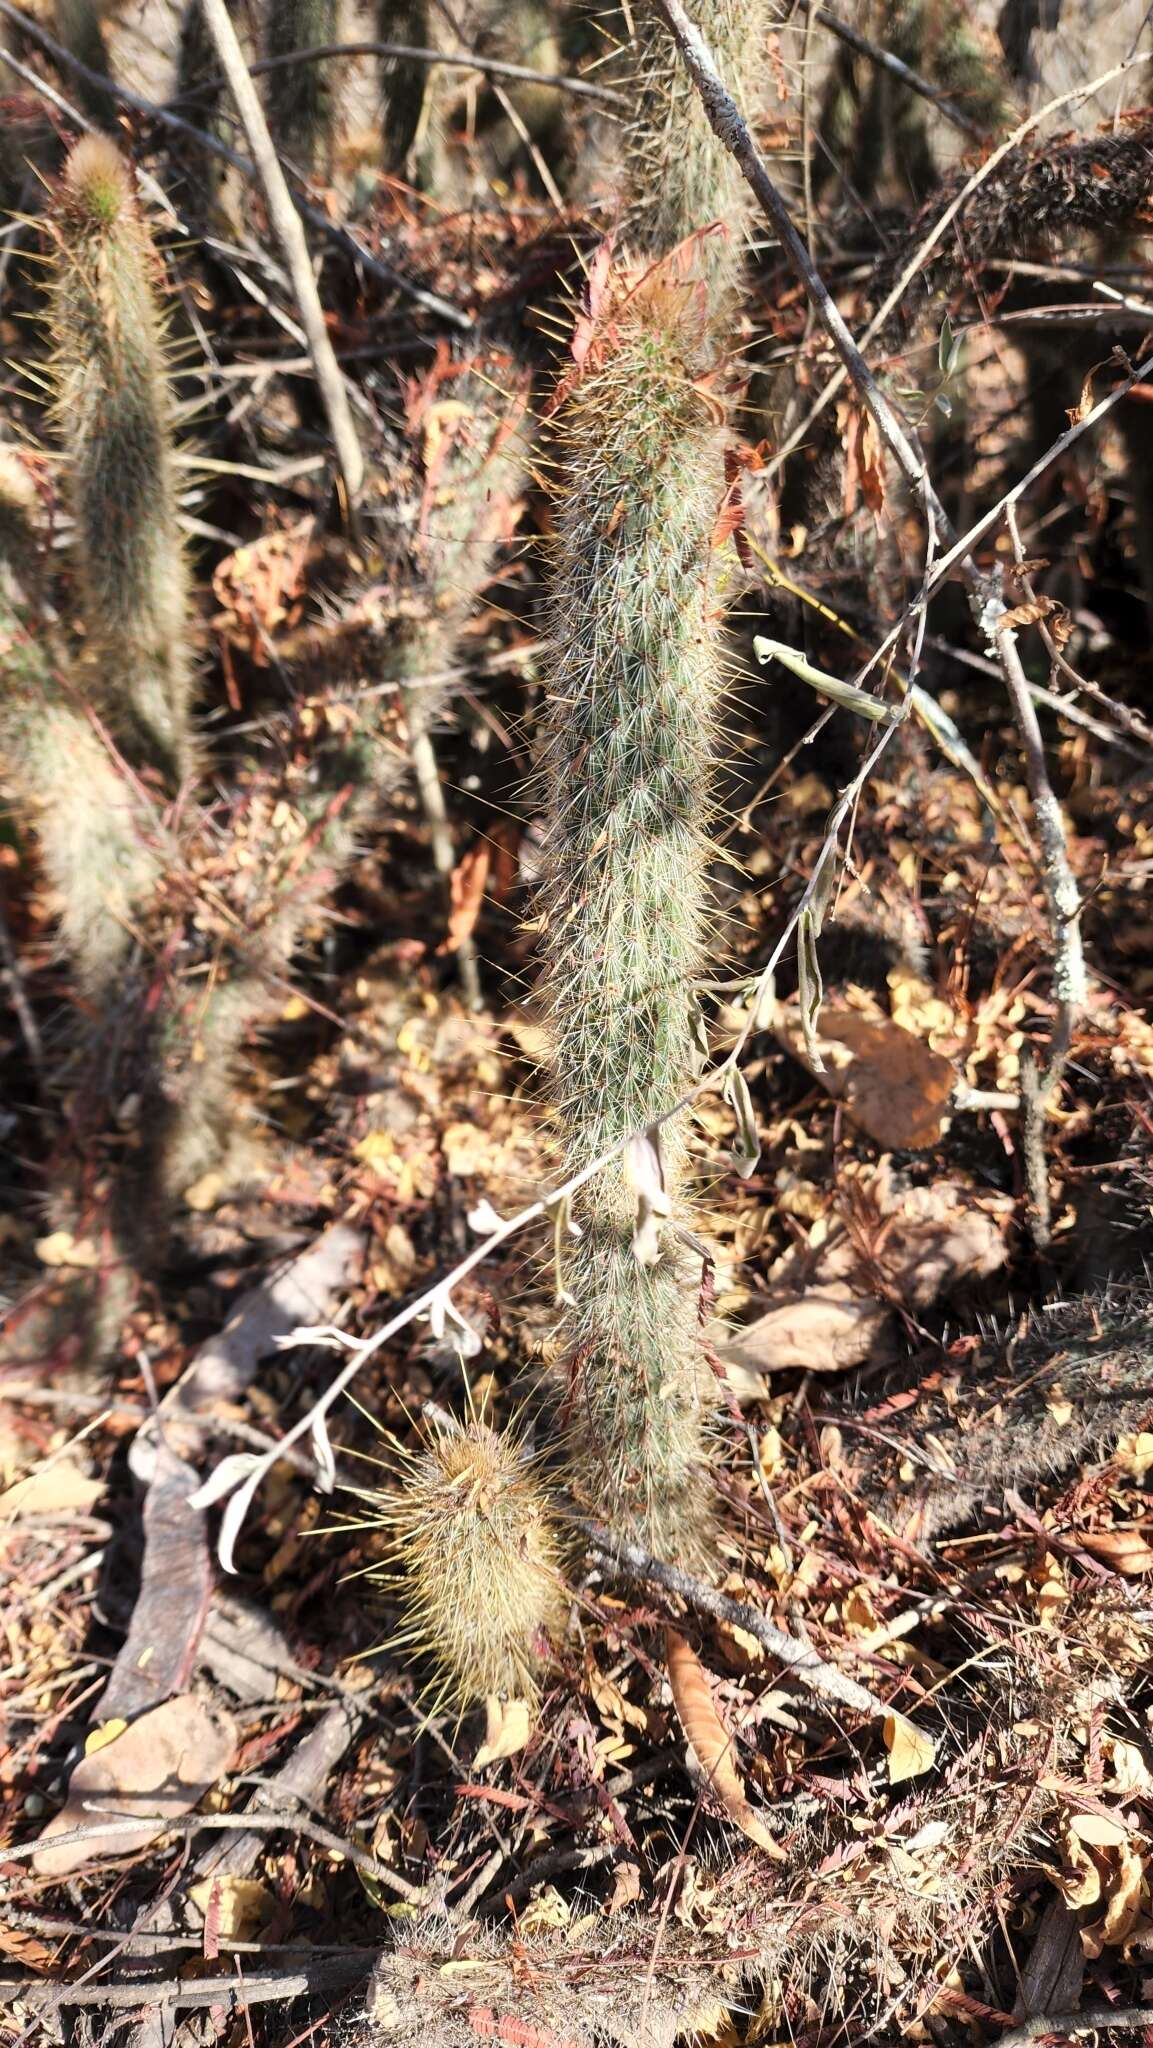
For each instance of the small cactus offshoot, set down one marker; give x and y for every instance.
(113, 414)
(478, 1562)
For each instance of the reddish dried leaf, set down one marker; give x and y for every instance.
(466, 889)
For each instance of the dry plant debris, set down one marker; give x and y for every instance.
(387, 829)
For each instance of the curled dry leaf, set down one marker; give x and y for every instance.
(160, 1767)
(466, 890)
(892, 1084)
(508, 1725)
(711, 1743)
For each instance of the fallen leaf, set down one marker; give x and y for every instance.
(60, 1248)
(1130, 1770)
(159, 1768)
(1124, 1550)
(545, 1913)
(911, 1751)
(466, 894)
(892, 1084)
(508, 1727)
(828, 1330)
(626, 1889)
(1134, 1454)
(1125, 1890)
(108, 1731)
(205, 1193)
(711, 1743)
(56, 1488)
(241, 1906)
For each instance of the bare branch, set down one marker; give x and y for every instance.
(290, 235)
(458, 60)
(936, 234)
(628, 1560)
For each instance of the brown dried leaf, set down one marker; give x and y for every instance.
(829, 1329)
(1028, 614)
(160, 1767)
(711, 1743)
(466, 891)
(892, 1084)
(1123, 1550)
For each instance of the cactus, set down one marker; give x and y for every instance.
(679, 179)
(635, 678)
(93, 826)
(113, 414)
(477, 1560)
(299, 96)
(636, 675)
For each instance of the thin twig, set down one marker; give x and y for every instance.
(310, 1975)
(333, 231)
(1060, 887)
(628, 1560)
(887, 62)
(290, 234)
(459, 60)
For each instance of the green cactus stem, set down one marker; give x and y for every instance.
(635, 677)
(113, 415)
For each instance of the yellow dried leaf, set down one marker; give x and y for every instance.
(911, 1751)
(107, 1732)
(243, 1906)
(545, 1913)
(508, 1726)
(60, 1248)
(1059, 1405)
(1134, 1454)
(204, 1193)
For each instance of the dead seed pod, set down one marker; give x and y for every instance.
(477, 1558)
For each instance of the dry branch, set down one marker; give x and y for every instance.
(290, 234)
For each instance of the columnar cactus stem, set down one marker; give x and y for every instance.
(113, 414)
(98, 850)
(635, 678)
(635, 674)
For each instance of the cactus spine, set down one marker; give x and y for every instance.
(113, 413)
(635, 681)
(478, 1562)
